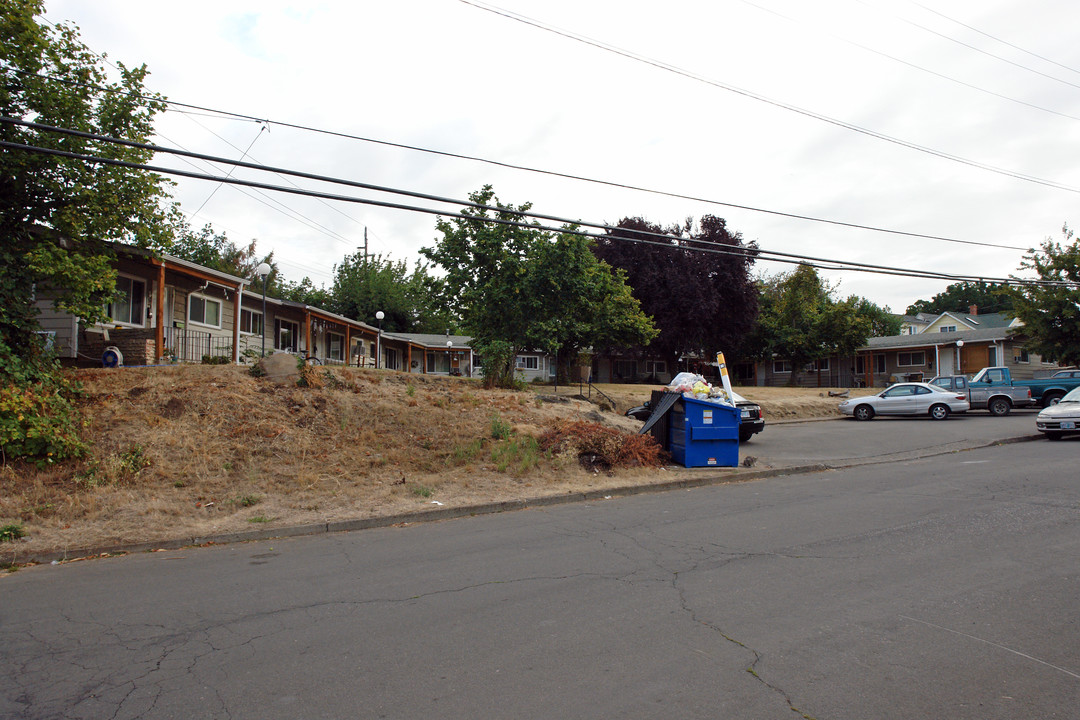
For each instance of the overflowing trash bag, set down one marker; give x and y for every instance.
(697, 387)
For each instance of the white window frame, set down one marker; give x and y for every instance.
(527, 362)
(911, 357)
(109, 306)
(781, 367)
(205, 299)
(947, 328)
(656, 367)
(339, 338)
(279, 325)
(816, 365)
(251, 314)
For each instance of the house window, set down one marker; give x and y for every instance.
(655, 367)
(910, 359)
(947, 328)
(286, 335)
(251, 321)
(204, 311)
(337, 346)
(625, 369)
(527, 362)
(816, 365)
(781, 366)
(1021, 356)
(878, 364)
(129, 307)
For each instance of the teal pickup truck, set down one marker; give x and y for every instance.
(1044, 391)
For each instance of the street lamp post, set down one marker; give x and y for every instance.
(449, 344)
(378, 342)
(263, 271)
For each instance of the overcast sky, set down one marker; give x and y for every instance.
(993, 82)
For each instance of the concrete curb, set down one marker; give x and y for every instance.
(732, 475)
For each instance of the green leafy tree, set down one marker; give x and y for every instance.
(411, 301)
(216, 251)
(697, 285)
(522, 286)
(801, 321)
(959, 297)
(1051, 313)
(56, 213)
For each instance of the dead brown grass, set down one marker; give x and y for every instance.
(195, 450)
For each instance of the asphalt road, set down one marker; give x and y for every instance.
(941, 587)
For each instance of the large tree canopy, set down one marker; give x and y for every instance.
(959, 297)
(695, 283)
(410, 301)
(516, 286)
(801, 321)
(56, 212)
(1051, 313)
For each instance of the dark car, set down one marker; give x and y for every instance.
(751, 421)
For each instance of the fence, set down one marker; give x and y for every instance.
(193, 345)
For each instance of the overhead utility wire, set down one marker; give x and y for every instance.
(669, 241)
(349, 183)
(274, 204)
(761, 98)
(918, 67)
(191, 117)
(552, 173)
(976, 49)
(997, 39)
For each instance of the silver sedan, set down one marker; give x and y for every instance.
(1061, 419)
(914, 398)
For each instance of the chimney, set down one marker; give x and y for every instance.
(973, 310)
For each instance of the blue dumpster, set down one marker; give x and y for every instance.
(704, 434)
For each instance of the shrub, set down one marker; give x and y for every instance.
(11, 533)
(500, 429)
(38, 418)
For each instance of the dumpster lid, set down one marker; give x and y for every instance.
(667, 400)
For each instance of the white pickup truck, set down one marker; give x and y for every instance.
(998, 399)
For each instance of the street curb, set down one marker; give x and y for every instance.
(728, 476)
(733, 475)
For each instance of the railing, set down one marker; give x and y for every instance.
(193, 345)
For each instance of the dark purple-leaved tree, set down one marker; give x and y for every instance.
(694, 280)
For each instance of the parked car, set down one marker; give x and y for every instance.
(1062, 418)
(751, 420)
(998, 399)
(913, 398)
(1066, 374)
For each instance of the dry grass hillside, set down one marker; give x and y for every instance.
(196, 450)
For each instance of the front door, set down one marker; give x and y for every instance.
(946, 360)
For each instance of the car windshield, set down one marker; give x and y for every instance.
(1072, 396)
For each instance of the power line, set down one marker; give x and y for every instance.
(745, 253)
(976, 49)
(353, 184)
(996, 39)
(761, 98)
(552, 173)
(191, 116)
(919, 67)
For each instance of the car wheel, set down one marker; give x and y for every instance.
(939, 412)
(1051, 399)
(863, 412)
(999, 407)
(1053, 436)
